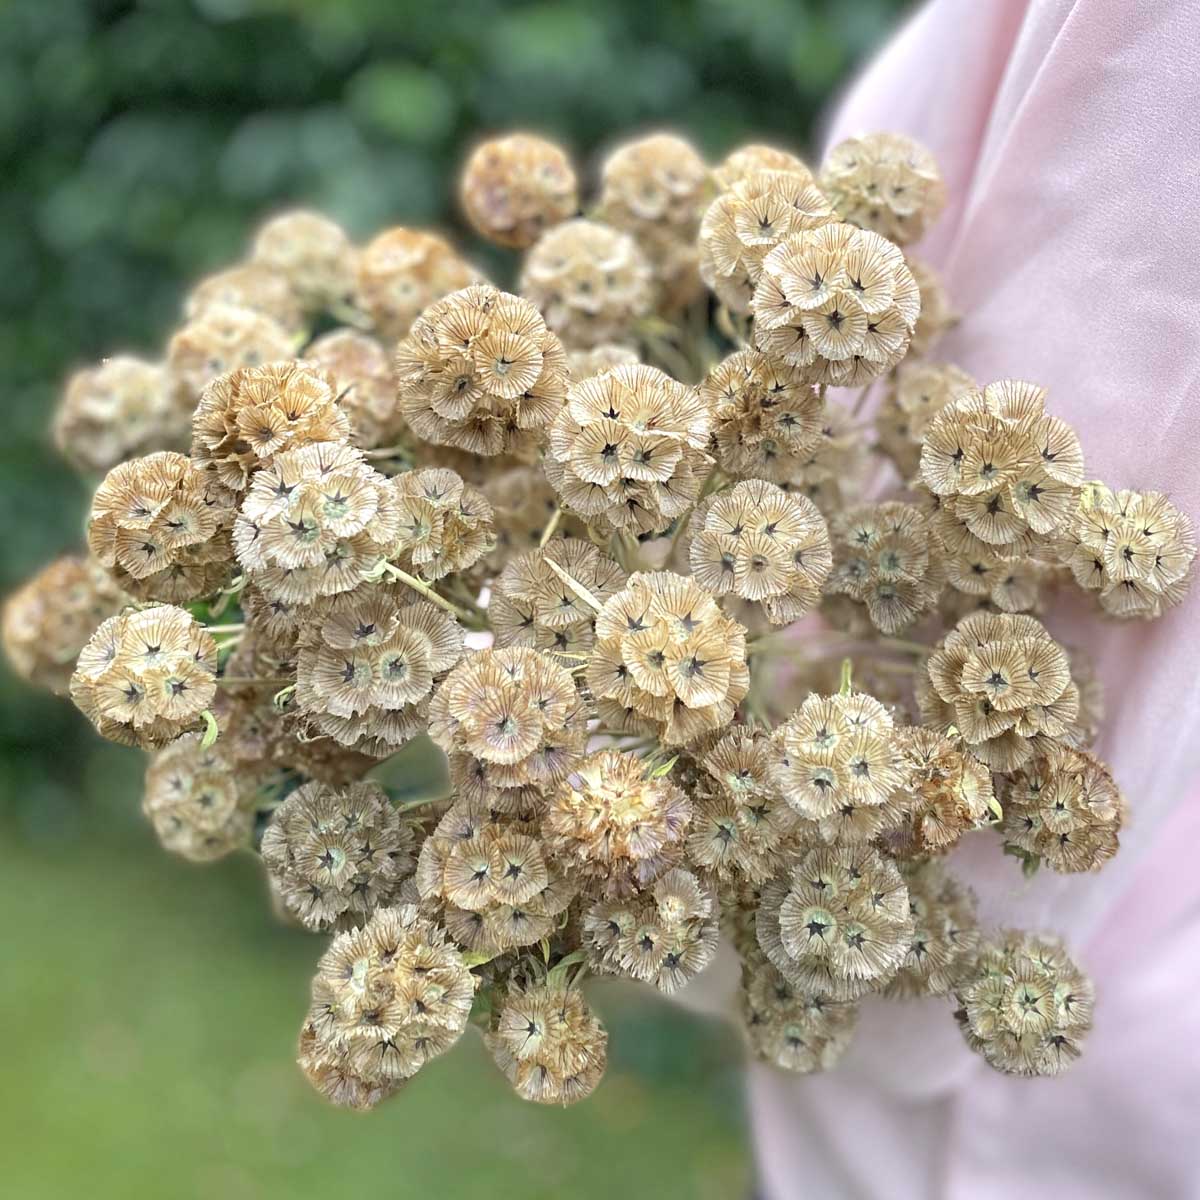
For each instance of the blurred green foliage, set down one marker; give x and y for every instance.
(140, 144)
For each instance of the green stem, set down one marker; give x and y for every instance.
(425, 590)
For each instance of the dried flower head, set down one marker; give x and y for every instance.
(312, 253)
(885, 557)
(479, 370)
(654, 188)
(221, 339)
(945, 932)
(251, 286)
(884, 182)
(838, 922)
(523, 504)
(616, 826)
(1135, 548)
(532, 606)
(752, 158)
(837, 764)
(768, 419)
(547, 1041)
(667, 656)
(337, 854)
(516, 712)
(945, 793)
(591, 282)
(583, 364)
(366, 668)
(627, 449)
(937, 313)
(1004, 683)
(1006, 473)
(766, 545)
(249, 416)
(836, 301)
(386, 999)
(1065, 809)
(444, 525)
(161, 527)
(120, 408)
(514, 188)
(666, 935)
(790, 1026)
(747, 221)
(917, 392)
(317, 521)
(145, 676)
(47, 621)
(492, 879)
(1024, 1005)
(401, 272)
(368, 392)
(741, 826)
(201, 807)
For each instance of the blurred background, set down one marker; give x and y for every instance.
(150, 1006)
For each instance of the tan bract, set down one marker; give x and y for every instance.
(312, 253)
(884, 182)
(752, 158)
(363, 371)
(937, 313)
(916, 393)
(591, 282)
(444, 525)
(945, 932)
(583, 364)
(250, 286)
(515, 187)
(480, 371)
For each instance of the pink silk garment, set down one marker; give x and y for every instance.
(1069, 135)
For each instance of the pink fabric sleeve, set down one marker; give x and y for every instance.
(1070, 139)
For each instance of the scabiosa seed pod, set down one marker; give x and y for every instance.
(145, 676)
(838, 302)
(444, 525)
(312, 253)
(47, 621)
(666, 654)
(491, 877)
(337, 854)
(221, 339)
(330, 1070)
(752, 158)
(665, 936)
(161, 527)
(366, 668)
(368, 393)
(532, 606)
(515, 187)
(401, 272)
(1004, 683)
(523, 504)
(945, 932)
(200, 805)
(249, 286)
(591, 282)
(759, 542)
(1065, 808)
(885, 557)
(1024, 1006)
(118, 409)
(386, 999)
(316, 522)
(837, 764)
(917, 392)
(767, 418)
(747, 221)
(615, 826)
(627, 449)
(1135, 549)
(838, 923)
(248, 416)
(884, 182)
(833, 465)
(1003, 468)
(937, 313)
(741, 826)
(945, 793)
(479, 370)
(516, 712)
(789, 1026)
(583, 364)
(547, 1041)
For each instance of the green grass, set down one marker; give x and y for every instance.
(151, 1009)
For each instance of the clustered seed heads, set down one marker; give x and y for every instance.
(526, 636)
